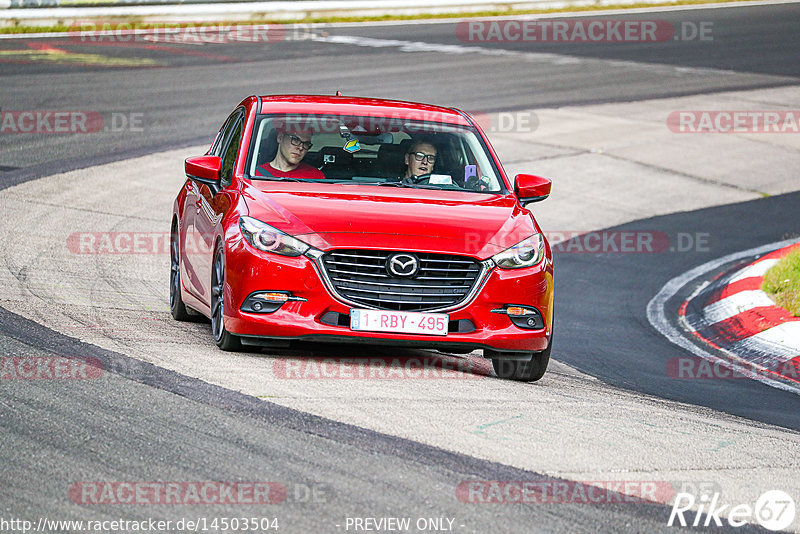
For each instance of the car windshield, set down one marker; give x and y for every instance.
(366, 150)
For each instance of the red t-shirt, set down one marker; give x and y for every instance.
(301, 171)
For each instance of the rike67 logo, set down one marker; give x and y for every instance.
(774, 510)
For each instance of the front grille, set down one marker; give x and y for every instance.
(360, 276)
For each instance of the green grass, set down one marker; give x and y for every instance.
(63, 27)
(782, 282)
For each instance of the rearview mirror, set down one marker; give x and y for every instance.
(531, 188)
(203, 168)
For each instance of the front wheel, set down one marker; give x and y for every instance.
(224, 339)
(523, 370)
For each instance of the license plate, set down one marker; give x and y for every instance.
(401, 322)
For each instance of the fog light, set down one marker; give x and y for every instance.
(526, 317)
(267, 301)
(532, 322)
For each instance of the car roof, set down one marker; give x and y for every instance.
(348, 105)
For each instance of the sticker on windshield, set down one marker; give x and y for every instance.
(352, 146)
(440, 179)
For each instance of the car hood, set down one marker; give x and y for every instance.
(330, 216)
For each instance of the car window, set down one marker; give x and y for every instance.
(354, 150)
(232, 149)
(222, 135)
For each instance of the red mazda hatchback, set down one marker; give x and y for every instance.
(360, 220)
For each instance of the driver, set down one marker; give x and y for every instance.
(292, 148)
(420, 159)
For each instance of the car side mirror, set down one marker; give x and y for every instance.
(531, 188)
(204, 169)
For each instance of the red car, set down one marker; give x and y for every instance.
(360, 220)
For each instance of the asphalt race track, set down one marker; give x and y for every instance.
(618, 347)
(170, 407)
(751, 48)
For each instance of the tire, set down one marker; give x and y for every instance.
(523, 371)
(176, 305)
(224, 339)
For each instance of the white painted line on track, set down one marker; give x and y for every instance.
(191, 35)
(658, 318)
(536, 57)
(759, 268)
(773, 360)
(299, 7)
(559, 15)
(736, 304)
(783, 339)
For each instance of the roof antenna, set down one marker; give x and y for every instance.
(338, 93)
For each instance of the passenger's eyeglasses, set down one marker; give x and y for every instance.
(296, 141)
(420, 156)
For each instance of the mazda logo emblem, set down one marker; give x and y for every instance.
(402, 265)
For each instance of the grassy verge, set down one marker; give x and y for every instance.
(381, 18)
(782, 282)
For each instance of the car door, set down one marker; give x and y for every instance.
(212, 203)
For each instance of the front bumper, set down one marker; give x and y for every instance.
(319, 314)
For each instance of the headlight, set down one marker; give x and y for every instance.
(526, 253)
(265, 237)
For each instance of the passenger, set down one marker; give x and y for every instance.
(292, 148)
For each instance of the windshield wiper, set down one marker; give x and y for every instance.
(411, 185)
(281, 179)
(427, 186)
(350, 182)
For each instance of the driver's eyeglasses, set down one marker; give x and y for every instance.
(420, 156)
(296, 141)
